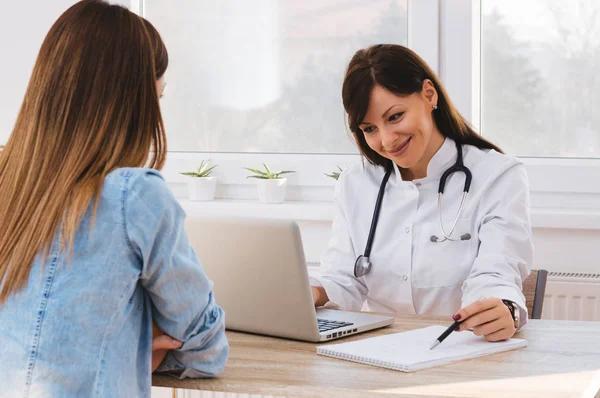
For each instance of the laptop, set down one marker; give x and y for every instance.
(261, 280)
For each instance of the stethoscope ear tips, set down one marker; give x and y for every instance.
(433, 238)
(465, 237)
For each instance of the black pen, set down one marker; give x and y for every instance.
(443, 336)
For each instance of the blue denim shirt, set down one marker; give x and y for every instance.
(83, 327)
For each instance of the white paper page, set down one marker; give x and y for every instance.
(410, 349)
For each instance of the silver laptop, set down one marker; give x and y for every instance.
(261, 280)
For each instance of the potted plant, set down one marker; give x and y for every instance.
(335, 174)
(271, 187)
(201, 185)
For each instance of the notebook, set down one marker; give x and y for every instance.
(409, 351)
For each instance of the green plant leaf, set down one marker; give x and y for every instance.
(269, 172)
(255, 171)
(204, 170)
(335, 175)
(278, 174)
(207, 172)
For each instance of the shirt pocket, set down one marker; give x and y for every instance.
(444, 263)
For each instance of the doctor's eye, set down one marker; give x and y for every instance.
(395, 116)
(368, 129)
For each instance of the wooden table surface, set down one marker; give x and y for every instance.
(562, 360)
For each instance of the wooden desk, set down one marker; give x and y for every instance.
(562, 360)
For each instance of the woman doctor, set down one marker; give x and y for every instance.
(463, 252)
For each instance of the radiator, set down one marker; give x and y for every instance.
(572, 296)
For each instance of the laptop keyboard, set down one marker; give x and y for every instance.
(325, 325)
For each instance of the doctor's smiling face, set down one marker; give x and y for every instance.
(399, 111)
(401, 128)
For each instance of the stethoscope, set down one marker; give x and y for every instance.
(362, 266)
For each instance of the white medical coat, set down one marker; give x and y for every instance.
(410, 274)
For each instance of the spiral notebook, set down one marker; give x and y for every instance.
(409, 351)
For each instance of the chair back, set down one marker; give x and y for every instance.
(534, 289)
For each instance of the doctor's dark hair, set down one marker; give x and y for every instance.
(402, 72)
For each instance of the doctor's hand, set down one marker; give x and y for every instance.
(320, 297)
(161, 344)
(490, 318)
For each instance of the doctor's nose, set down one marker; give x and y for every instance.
(389, 138)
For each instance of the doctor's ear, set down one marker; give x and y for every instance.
(429, 93)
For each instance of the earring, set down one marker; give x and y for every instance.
(434, 107)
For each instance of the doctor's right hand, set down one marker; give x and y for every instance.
(489, 318)
(319, 296)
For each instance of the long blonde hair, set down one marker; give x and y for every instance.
(91, 107)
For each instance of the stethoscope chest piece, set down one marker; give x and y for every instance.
(362, 266)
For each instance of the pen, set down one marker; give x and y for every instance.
(446, 333)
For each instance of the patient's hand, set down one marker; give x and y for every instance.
(161, 344)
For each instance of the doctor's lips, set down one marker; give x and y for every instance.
(400, 149)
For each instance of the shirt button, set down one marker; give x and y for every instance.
(407, 229)
(404, 278)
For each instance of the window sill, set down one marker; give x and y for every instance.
(553, 218)
(323, 211)
(314, 211)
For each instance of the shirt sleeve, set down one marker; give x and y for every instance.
(181, 293)
(337, 262)
(506, 249)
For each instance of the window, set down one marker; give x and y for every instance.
(495, 56)
(265, 75)
(540, 87)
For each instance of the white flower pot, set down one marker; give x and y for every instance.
(202, 188)
(271, 191)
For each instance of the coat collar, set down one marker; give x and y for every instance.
(440, 162)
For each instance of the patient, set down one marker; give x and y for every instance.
(92, 244)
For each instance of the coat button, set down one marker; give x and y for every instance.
(404, 278)
(407, 229)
